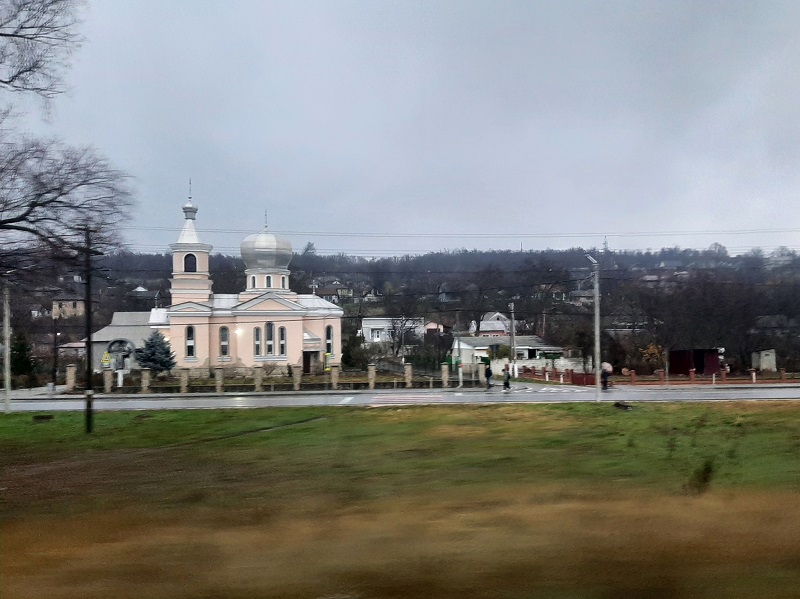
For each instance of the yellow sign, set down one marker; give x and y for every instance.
(106, 360)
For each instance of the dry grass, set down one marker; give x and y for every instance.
(559, 542)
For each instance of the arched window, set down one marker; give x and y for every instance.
(270, 335)
(282, 341)
(283, 282)
(257, 341)
(329, 339)
(269, 282)
(190, 342)
(224, 341)
(252, 282)
(190, 263)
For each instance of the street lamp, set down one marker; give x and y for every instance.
(596, 273)
(56, 335)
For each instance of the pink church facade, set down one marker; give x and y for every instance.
(266, 325)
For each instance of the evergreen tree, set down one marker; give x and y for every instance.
(22, 362)
(156, 354)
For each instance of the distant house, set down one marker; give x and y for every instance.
(528, 347)
(143, 299)
(329, 294)
(73, 349)
(68, 307)
(493, 324)
(39, 311)
(582, 297)
(384, 329)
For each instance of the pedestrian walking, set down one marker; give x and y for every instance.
(506, 378)
(488, 374)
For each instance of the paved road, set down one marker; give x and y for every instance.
(519, 394)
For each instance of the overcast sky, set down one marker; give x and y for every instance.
(375, 127)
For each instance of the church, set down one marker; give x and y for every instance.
(267, 324)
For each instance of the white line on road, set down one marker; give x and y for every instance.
(347, 400)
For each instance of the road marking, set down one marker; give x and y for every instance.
(406, 399)
(347, 400)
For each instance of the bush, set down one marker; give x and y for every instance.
(700, 479)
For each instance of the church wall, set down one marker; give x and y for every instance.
(317, 325)
(177, 336)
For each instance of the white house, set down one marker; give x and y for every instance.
(384, 329)
(493, 324)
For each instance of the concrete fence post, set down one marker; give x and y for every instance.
(108, 379)
(297, 376)
(71, 369)
(409, 372)
(145, 380)
(752, 372)
(445, 375)
(371, 375)
(219, 378)
(258, 379)
(783, 374)
(184, 380)
(335, 376)
(691, 375)
(633, 377)
(661, 376)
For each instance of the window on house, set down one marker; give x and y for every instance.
(252, 282)
(282, 341)
(190, 342)
(376, 334)
(224, 341)
(269, 281)
(74, 305)
(190, 263)
(257, 341)
(270, 334)
(329, 339)
(283, 282)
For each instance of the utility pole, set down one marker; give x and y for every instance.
(87, 265)
(87, 304)
(596, 272)
(7, 345)
(55, 352)
(513, 342)
(458, 346)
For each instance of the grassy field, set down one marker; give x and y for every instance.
(563, 501)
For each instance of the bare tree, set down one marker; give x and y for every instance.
(37, 38)
(50, 194)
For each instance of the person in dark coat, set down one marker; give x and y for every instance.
(488, 374)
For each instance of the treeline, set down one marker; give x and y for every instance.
(651, 301)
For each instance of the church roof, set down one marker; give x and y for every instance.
(133, 326)
(266, 250)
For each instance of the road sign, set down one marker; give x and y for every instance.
(106, 360)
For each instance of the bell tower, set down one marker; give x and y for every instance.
(190, 281)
